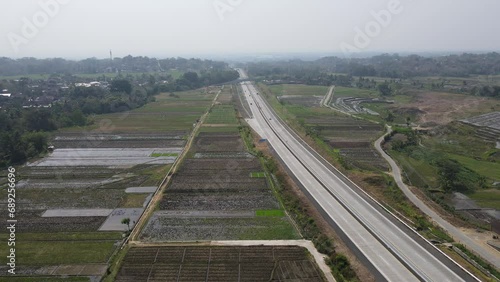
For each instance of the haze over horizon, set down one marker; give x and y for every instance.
(81, 29)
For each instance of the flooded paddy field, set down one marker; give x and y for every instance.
(110, 157)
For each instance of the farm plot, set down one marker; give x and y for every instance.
(220, 201)
(214, 185)
(217, 142)
(169, 113)
(68, 253)
(216, 164)
(253, 263)
(32, 221)
(60, 196)
(298, 90)
(218, 182)
(222, 114)
(306, 101)
(109, 140)
(366, 158)
(226, 97)
(352, 138)
(163, 228)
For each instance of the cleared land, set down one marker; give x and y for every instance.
(266, 263)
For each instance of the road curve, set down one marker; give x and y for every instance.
(491, 255)
(392, 251)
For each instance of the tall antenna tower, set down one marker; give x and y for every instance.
(111, 55)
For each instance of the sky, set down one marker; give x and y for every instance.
(169, 28)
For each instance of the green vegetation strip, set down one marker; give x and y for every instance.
(489, 198)
(61, 252)
(279, 213)
(155, 155)
(258, 174)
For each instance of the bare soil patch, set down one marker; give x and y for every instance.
(442, 108)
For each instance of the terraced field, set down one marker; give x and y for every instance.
(350, 137)
(265, 263)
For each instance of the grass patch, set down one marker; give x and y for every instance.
(418, 171)
(133, 201)
(221, 129)
(479, 261)
(258, 174)
(63, 236)
(222, 114)
(298, 89)
(156, 155)
(270, 228)
(167, 113)
(488, 169)
(489, 198)
(354, 92)
(60, 252)
(279, 213)
(155, 175)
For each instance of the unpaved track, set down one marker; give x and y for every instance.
(488, 253)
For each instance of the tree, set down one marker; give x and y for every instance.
(127, 222)
(38, 120)
(121, 85)
(390, 117)
(385, 89)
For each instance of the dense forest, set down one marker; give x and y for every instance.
(386, 65)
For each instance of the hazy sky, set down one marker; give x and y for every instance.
(165, 28)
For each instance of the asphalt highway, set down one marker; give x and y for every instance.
(390, 249)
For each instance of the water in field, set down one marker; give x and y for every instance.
(111, 157)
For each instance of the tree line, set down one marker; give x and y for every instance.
(385, 65)
(26, 66)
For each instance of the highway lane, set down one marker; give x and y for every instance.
(371, 247)
(389, 249)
